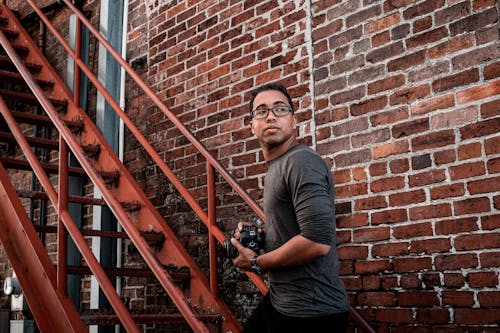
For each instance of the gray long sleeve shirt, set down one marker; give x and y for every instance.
(298, 200)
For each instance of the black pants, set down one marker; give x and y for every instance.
(266, 319)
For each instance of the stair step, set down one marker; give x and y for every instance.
(156, 316)
(12, 163)
(9, 33)
(45, 143)
(17, 96)
(179, 275)
(31, 66)
(150, 237)
(35, 119)
(4, 20)
(16, 77)
(129, 206)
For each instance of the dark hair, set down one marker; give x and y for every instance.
(270, 86)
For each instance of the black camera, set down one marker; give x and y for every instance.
(250, 237)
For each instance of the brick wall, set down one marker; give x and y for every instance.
(399, 97)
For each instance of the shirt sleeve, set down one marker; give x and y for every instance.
(311, 188)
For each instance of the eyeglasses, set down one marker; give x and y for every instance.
(278, 110)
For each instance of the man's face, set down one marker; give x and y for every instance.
(273, 131)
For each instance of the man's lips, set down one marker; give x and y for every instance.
(271, 129)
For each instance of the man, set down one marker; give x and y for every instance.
(306, 293)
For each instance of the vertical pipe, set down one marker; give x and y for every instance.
(62, 236)
(212, 242)
(78, 48)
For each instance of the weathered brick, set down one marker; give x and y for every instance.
(376, 298)
(464, 316)
(368, 106)
(387, 184)
(474, 22)
(455, 117)
(371, 234)
(482, 128)
(469, 151)
(353, 252)
(433, 316)
(371, 266)
(472, 205)
(490, 109)
(422, 8)
(406, 198)
(393, 148)
(418, 298)
(378, 169)
(456, 261)
(408, 95)
(375, 136)
(352, 220)
(456, 80)
(426, 178)
(412, 264)
(391, 249)
(458, 298)
(386, 84)
(406, 61)
(433, 140)
(391, 116)
(430, 211)
(447, 191)
(412, 230)
(433, 104)
(429, 246)
(492, 71)
(452, 13)
(427, 38)
(389, 216)
(385, 52)
(467, 170)
(450, 46)
(483, 279)
(370, 203)
(422, 24)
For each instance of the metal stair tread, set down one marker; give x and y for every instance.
(32, 66)
(28, 97)
(53, 168)
(35, 119)
(17, 77)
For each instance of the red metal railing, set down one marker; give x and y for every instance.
(209, 219)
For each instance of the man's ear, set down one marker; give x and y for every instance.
(251, 127)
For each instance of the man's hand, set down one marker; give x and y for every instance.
(244, 255)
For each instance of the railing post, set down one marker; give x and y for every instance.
(62, 236)
(212, 216)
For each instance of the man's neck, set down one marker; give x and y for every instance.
(271, 153)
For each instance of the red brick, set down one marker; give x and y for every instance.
(472, 205)
(386, 84)
(490, 259)
(342, 176)
(469, 316)
(430, 211)
(412, 230)
(422, 8)
(370, 203)
(433, 316)
(374, 136)
(456, 80)
(467, 170)
(492, 71)
(422, 24)
(444, 157)
(447, 191)
(486, 185)
(387, 184)
(429, 246)
(454, 280)
(483, 279)
(473, 22)
(406, 198)
(410, 127)
(371, 234)
(457, 298)
(412, 264)
(347, 191)
(354, 94)
(488, 298)
(410, 281)
(469, 151)
(454, 118)
(369, 105)
(406, 61)
(478, 92)
(456, 261)
(418, 298)
(381, 39)
(389, 117)
(477, 241)
(426, 178)
(450, 46)
(399, 166)
(352, 220)
(393, 148)
(492, 145)
(376, 298)
(408, 95)
(433, 104)
(433, 140)
(490, 222)
(393, 315)
(389, 216)
(493, 165)
(390, 249)
(382, 23)
(359, 174)
(378, 169)
(352, 252)
(371, 266)
(428, 37)
(456, 226)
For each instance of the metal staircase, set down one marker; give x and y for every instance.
(31, 84)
